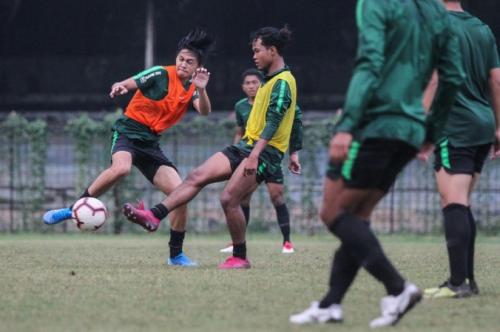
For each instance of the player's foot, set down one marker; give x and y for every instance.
(227, 249)
(393, 308)
(447, 290)
(53, 217)
(288, 248)
(144, 218)
(181, 260)
(473, 287)
(233, 262)
(315, 314)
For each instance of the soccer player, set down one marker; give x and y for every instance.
(464, 145)
(252, 79)
(253, 159)
(380, 131)
(163, 96)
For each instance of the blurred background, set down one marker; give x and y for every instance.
(58, 59)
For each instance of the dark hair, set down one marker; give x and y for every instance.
(199, 42)
(271, 36)
(251, 72)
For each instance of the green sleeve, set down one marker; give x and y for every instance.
(281, 98)
(153, 82)
(370, 60)
(451, 76)
(240, 122)
(297, 131)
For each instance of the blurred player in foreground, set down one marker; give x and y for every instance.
(381, 130)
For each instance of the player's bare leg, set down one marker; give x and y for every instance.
(460, 233)
(217, 168)
(121, 164)
(238, 188)
(167, 179)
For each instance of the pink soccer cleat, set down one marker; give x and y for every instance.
(232, 263)
(139, 216)
(288, 248)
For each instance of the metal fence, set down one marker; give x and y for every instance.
(47, 163)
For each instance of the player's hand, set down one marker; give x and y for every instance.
(294, 164)
(250, 166)
(118, 89)
(200, 78)
(496, 146)
(425, 151)
(339, 146)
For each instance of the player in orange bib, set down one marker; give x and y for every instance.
(163, 96)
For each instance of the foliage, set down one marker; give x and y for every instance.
(83, 130)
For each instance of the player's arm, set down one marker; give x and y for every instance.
(495, 98)
(296, 138)
(152, 82)
(450, 78)
(430, 91)
(240, 126)
(200, 80)
(238, 134)
(371, 21)
(123, 87)
(281, 98)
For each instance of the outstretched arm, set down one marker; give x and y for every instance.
(123, 87)
(200, 80)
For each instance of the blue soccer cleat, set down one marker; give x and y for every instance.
(181, 260)
(56, 216)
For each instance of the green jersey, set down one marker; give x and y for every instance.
(471, 120)
(243, 107)
(400, 44)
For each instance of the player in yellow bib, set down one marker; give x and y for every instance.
(253, 159)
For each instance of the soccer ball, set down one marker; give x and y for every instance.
(89, 213)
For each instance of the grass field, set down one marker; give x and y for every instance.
(104, 283)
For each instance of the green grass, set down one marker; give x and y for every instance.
(105, 283)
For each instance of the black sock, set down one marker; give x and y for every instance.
(246, 212)
(344, 270)
(472, 243)
(356, 235)
(160, 211)
(283, 221)
(176, 241)
(86, 193)
(457, 232)
(240, 250)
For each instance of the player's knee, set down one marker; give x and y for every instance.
(328, 214)
(226, 200)
(121, 170)
(195, 177)
(278, 199)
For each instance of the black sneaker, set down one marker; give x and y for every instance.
(447, 290)
(473, 287)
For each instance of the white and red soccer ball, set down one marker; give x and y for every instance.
(89, 213)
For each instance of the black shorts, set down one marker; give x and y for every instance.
(277, 177)
(463, 160)
(372, 164)
(146, 156)
(265, 169)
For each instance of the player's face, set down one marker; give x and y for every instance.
(186, 63)
(262, 56)
(250, 85)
